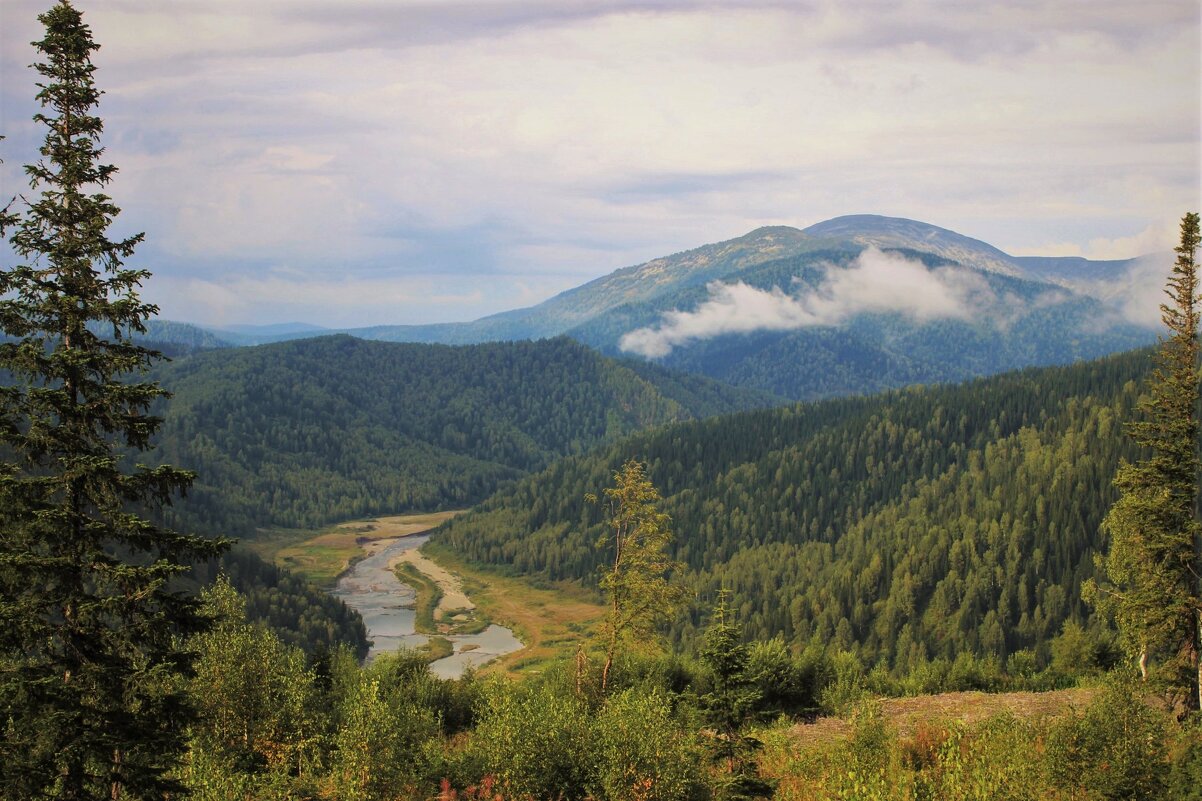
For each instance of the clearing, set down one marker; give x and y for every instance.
(905, 714)
(322, 556)
(552, 621)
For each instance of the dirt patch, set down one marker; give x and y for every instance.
(904, 714)
(395, 526)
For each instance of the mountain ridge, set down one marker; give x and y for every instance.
(714, 261)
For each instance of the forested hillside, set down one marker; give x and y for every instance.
(906, 526)
(300, 614)
(309, 432)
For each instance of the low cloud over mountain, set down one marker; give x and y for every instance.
(875, 282)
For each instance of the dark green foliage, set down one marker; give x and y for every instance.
(1185, 777)
(909, 526)
(1155, 559)
(90, 698)
(304, 433)
(728, 706)
(299, 614)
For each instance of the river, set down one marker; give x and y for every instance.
(372, 589)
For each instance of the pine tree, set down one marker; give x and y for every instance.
(1154, 564)
(636, 580)
(90, 701)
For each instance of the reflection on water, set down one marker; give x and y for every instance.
(376, 593)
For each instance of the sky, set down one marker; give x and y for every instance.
(368, 162)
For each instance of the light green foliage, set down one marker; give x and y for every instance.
(1116, 749)
(636, 580)
(377, 749)
(642, 753)
(868, 766)
(846, 686)
(998, 761)
(1079, 652)
(535, 742)
(256, 699)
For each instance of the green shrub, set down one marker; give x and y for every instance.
(535, 741)
(846, 685)
(786, 685)
(1117, 749)
(642, 753)
(993, 761)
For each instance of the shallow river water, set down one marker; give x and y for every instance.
(380, 597)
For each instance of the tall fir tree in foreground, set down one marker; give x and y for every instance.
(90, 702)
(1154, 563)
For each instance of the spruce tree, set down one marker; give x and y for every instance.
(729, 706)
(91, 704)
(1153, 563)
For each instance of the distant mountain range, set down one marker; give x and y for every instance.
(853, 304)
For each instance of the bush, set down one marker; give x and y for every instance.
(642, 753)
(536, 741)
(1116, 749)
(845, 687)
(786, 685)
(993, 760)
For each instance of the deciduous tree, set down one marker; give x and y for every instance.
(635, 581)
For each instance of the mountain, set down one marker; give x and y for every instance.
(303, 433)
(244, 335)
(896, 232)
(830, 316)
(909, 525)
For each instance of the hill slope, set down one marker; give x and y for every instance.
(314, 431)
(909, 525)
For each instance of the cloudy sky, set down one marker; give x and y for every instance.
(404, 161)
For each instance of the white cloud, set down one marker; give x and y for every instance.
(1156, 238)
(875, 282)
(1138, 293)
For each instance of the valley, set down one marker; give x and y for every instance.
(410, 592)
(865, 510)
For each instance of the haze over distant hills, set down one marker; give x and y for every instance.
(852, 304)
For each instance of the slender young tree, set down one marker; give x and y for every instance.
(90, 702)
(636, 580)
(1154, 564)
